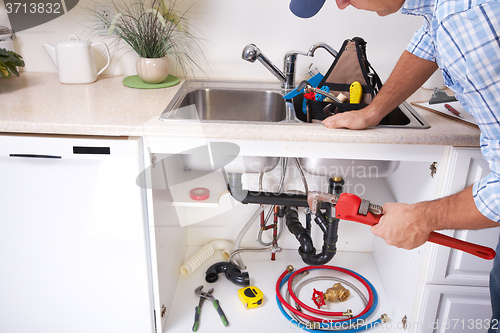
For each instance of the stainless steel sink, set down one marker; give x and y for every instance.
(348, 168)
(218, 155)
(239, 101)
(226, 101)
(236, 101)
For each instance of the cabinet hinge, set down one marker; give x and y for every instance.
(154, 159)
(433, 169)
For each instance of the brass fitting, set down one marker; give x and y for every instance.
(314, 325)
(384, 318)
(348, 313)
(290, 268)
(337, 292)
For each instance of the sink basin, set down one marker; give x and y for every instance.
(348, 168)
(236, 101)
(218, 155)
(226, 101)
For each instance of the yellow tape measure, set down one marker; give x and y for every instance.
(251, 296)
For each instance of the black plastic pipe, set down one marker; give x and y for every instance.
(306, 249)
(231, 270)
(276, 199)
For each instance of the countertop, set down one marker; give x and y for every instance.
(37, 103)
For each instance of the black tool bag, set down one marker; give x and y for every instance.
(350, 65)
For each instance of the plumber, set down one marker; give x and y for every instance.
(462, 38)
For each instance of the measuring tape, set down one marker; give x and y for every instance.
(251, 296)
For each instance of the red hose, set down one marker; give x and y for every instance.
(316, 311)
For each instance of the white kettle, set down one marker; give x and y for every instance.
(75, 60)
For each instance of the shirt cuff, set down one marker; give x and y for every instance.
(421, 44)
(486, 194)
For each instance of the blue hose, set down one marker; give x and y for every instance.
(375, 323)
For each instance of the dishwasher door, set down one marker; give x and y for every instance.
(73, 238)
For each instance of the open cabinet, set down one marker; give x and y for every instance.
(179, 226)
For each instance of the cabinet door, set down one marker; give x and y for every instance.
(455, 309)
(73, 247)
(465, 167)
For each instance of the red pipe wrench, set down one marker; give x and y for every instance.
(352, 208)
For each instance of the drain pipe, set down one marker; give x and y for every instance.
(263, 198)
(328, 225)
(306, 249)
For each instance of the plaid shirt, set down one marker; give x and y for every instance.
(463, 38)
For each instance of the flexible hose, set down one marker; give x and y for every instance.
(284, 165)
(242, 233)
(207, 250)
(254, 249)
(288, 278)
(371, 292)
(301, 173)
(318, 278)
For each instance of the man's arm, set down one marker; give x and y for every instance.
(408, 75)
(409, 226)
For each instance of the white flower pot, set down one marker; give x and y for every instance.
(152, 70)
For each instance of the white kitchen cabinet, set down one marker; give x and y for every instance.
(73, 238)
(398, 275)
(94, 241)
(452, 308)
(456, 295)
(464, 167)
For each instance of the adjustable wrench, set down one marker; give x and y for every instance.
(352, 208)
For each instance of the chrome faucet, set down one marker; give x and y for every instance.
(287, 77)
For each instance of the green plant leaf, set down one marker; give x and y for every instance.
(153, 30)
(9, 61)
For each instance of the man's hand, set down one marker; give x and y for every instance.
(401, 226)
(408, 226)
(408, 75)
(355, 120)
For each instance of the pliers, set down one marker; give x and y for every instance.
(207, 295)
(352, 208)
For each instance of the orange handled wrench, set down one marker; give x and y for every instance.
(352, 208)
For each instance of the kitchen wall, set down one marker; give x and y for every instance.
(228, 25)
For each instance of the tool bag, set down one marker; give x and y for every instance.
(350, 65)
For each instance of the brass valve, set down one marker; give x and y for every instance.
(337, 292)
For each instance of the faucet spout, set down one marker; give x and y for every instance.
(327, 47)
(251, 53)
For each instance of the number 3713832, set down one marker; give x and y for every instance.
(33, 8)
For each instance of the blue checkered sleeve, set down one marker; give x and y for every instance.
(463, 37)
(421, 44)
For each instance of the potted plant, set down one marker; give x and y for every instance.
(9, 61)
(155, 32)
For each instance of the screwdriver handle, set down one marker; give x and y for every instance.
(347, 208)
(196, 318)
(220, 312)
